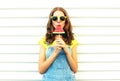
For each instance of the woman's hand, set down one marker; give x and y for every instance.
(60, 43)
(57, 49)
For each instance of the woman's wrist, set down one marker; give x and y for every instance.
(66, 50)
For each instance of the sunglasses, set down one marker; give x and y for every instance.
(55, 18)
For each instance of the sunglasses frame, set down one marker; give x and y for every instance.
(58, 17)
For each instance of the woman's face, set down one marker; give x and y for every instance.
(59, 21)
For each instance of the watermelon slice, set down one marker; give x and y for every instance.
(58, 30)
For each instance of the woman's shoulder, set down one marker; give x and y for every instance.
(74, 43)
(42, 42)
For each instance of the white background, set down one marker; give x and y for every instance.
(96, 24)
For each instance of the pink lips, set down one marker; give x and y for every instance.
(58, 25)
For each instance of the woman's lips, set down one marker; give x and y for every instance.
(59, 25)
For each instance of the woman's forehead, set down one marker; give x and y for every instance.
(58, 13)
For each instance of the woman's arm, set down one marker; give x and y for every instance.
(44, 63)
(72, 58)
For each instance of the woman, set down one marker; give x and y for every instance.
(58, 58)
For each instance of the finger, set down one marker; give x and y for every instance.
(58, 48)
(58, 40)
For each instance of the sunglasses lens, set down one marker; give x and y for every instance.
(54, 18)
(62, 18)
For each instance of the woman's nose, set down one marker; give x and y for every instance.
(58, 20)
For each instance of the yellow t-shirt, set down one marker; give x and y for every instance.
(45, 45)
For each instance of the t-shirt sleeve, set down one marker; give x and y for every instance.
(43, 42)
(74, 43)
